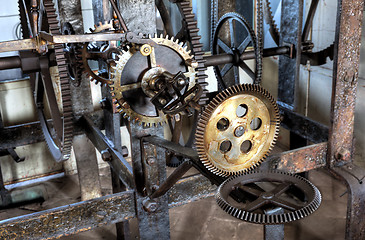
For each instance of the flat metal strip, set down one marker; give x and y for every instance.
(70, 219)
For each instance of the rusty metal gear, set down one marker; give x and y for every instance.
(236, 48)
(251, 196)
(59, 145)
(269, 19)
(102, 27)
(135, 72)
(237, 129)
(73, 56)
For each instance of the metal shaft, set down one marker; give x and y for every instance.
(228, 58)
(10, 62)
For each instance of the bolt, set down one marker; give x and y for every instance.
(343, 154)
(162, 101)
(182, 82)
(104, 103)
(154, 188)
(239, 131)
(149, 205)
(106, 155)
(151, 160)
(125, 152)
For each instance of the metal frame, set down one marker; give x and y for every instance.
(148, 175)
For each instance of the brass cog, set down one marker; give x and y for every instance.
(158, 65)
(237, 130)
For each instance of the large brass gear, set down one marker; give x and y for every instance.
(121, 84)
(237, 130)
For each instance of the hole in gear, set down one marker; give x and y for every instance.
(246, 146)
(241, 110)
(223, 124)
(225, 146)
(256, 123)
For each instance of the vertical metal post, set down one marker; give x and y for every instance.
(149, 166)
(102, 13)
(345, 78)
(274, 232)
(291, 31)
(86, 161)
(341, 134)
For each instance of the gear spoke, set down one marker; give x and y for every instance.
(247, 70)
(128, 87)
(236, 75)
(252, 206)
(226, 68)
(244, 44)
(233, 37)
(282, 188)
(286, 204)
(250, 190)
(255, 210)
(224, 46)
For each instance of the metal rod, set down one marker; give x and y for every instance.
(172, 179)
(228, 58)
(119, 16)
(116, 161)
(10, 62)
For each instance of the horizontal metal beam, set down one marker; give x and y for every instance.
(70, 219)
(60, 39)
(18, 45)
(20, 135)
(84, 216)
(190, 189)
(116, 161)
(173, 147)
(303, 126)
(299, 160)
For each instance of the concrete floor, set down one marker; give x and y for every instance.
(204, 219)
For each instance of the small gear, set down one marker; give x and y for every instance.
(253, 195)
(135, 78)
(237, 129)
(102, 27)
(72, 51)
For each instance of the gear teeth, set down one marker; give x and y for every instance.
(313, 197)
(249, 89)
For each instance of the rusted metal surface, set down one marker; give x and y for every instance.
(353, 177)
(87, 167)
(301, 159)
(190, 189)
(20, 135)
(303, 126)
(118, 164)
(149, 166)
(345, 76)
(172, 179)
(291, 31)
(70, 219)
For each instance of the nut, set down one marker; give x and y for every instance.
(151, 160)
(343, 154)
(106, 155)
(149, 205)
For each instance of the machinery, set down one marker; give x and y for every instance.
(154, 81)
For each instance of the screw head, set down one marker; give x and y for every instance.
(343, 154)
(151, 160)
(106, 155)
(149, 205)
(239, 131)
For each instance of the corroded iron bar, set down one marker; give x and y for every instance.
(70, 219)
